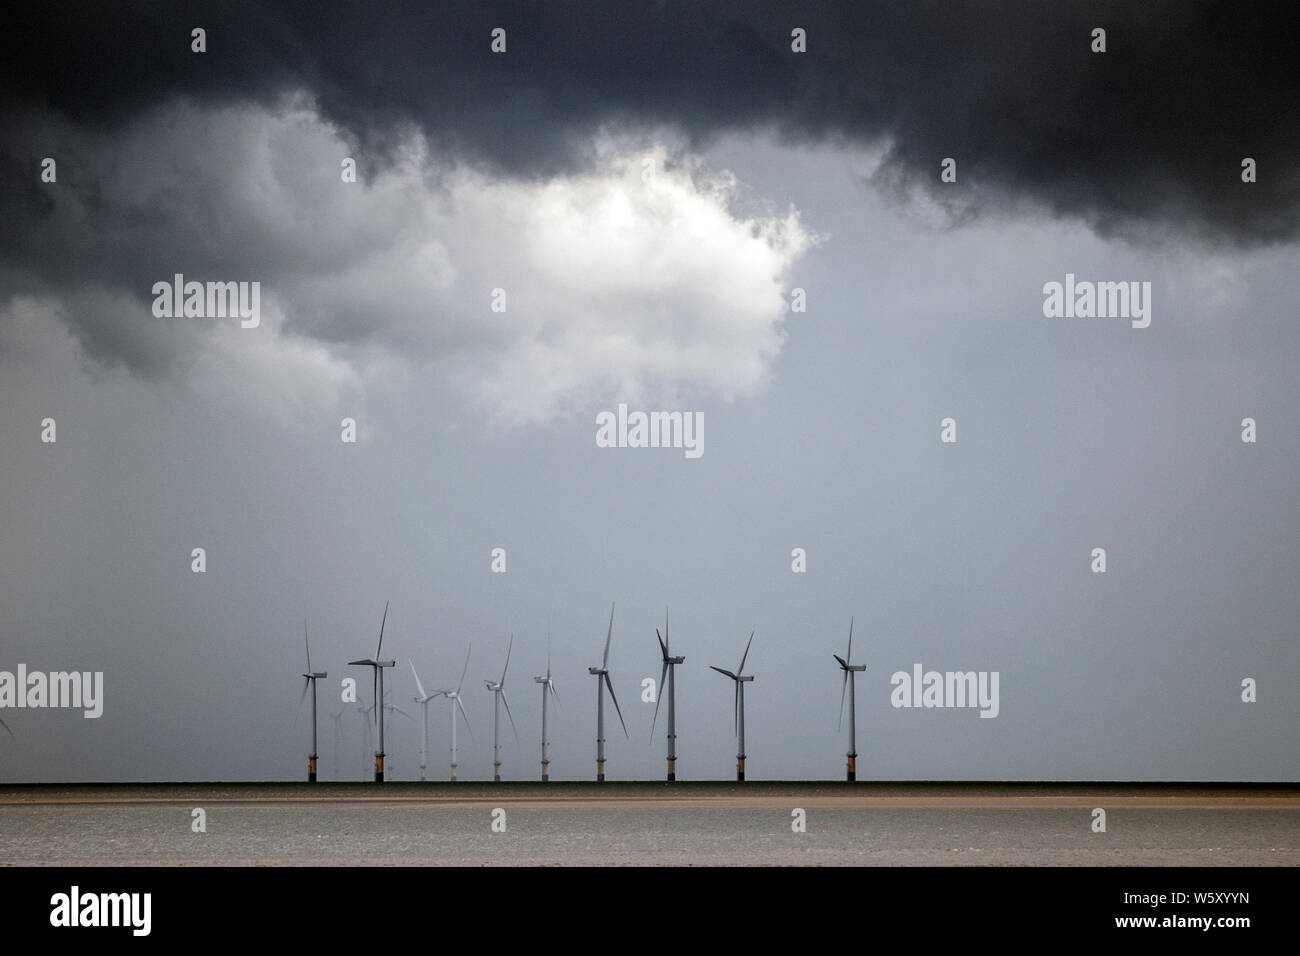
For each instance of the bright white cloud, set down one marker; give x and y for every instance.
(625, 285)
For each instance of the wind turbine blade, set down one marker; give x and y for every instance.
(610, 685)
(466, 716)
(417, 678)
(844, 686)
(308, 643)
(374, 692)
(301, 698)
(850, 653)
(551, 684)
(6, 727)
(511, 716)
(660, 695)
(735, 716)
(507, 667)
(663, 648)
(721, 671)
(468, 650)
(403, 713)
(608, 634)
(381, 631)
(741, 669)
(548, 651)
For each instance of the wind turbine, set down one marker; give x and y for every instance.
(423, 701)
(740, 679)
(310, 678)
(601, 674)
(376, 665)
(499, 689)
(850, 672)
(338, 740)
(390, 709)
(367, 735)
(547, 684)
(453, 696)
(670, 664)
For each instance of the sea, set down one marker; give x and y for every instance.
(719, 824)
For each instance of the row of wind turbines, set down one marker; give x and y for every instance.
(667, 687)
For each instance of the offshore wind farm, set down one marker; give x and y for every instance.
(652, 691)
(692, 815)
(702, 820)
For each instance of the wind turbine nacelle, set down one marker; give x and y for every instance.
(675, 660)
(596, 671)
(749, 678)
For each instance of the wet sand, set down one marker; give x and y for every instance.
(687, 823)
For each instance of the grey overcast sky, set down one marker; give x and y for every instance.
(648, 184)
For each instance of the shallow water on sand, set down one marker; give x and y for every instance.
(260, 824)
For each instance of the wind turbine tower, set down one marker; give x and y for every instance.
(547, 685)
(390, 769)
(453, 697)
(670, 664)
(310, 678)
(741, 679)
(367, 735)
(499, 690)
(423, 701)
(850, 672)
(338, 741)
(377, 665)
(601, 674)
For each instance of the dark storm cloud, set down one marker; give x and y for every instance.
(1144, 139)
